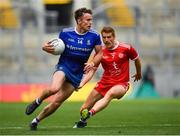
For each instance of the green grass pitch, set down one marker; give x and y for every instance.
(123, 117)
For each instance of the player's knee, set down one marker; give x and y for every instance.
(53, 90)
(110, 95)
(119, 96)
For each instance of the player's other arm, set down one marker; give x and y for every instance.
(138, 74)
(96, 60)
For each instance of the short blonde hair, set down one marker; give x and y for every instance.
(108, 29)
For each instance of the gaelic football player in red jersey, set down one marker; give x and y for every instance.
(115, 79)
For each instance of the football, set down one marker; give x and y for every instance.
(58, 45)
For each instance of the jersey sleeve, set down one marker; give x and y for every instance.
(98, 40)
(61, 35)
(133, 54)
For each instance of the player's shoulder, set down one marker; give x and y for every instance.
(125, 45)
(69, 29)
(93, 31)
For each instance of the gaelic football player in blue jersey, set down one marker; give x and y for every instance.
(79, 42)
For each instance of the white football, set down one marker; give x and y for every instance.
(58, 45)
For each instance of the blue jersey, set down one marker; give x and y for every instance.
(78, 48)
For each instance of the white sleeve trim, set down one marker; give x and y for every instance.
(136, 57)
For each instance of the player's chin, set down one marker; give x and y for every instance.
(88, 28)
(109, 46)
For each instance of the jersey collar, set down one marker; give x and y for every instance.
(75, 29)
(116, 45)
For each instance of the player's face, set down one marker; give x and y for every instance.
(85, 22)
(108, 40)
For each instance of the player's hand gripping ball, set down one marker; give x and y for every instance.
(58, 45)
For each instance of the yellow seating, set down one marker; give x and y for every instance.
(56, 1)
(119, 14)
(8, 18)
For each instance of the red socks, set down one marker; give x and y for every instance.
(93, 112)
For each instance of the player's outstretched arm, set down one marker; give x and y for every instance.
(87, 77)
(138, 74)
(96, 60)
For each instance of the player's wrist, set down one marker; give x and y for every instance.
(92, 64)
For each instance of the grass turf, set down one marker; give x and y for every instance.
(124, 117)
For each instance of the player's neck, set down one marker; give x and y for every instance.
(80, 30)
(115, 45)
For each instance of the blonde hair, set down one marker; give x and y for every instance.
(108, 29)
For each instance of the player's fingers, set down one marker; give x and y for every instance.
(48, 49)
(88, 66)
(86, 70)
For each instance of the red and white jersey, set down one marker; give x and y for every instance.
(115, 63)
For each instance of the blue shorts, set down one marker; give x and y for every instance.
(71, 77)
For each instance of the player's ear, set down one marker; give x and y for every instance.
(79, 21)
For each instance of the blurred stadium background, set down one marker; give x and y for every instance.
(153, 27)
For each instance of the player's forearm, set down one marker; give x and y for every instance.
(97, 58)
(138, 66)
(87, 77)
